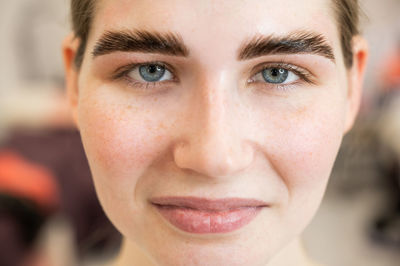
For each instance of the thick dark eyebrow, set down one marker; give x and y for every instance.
(299, 42)
(140, 41)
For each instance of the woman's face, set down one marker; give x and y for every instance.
(212, 154)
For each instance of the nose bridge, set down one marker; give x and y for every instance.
(212, 102)
(213, 145)
(212, 130)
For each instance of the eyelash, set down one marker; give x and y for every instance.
(122, 74)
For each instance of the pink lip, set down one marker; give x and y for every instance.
(204, 216)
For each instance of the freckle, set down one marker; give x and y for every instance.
(301, 110)
(159, 138)
(161, 126)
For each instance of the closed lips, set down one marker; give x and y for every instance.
(203, 216)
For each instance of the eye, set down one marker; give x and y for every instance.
(276, 75)
(150, 73)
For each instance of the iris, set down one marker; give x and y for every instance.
(275, 75)
(152, 72)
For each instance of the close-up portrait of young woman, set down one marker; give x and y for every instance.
(200, 133)
(211, 127)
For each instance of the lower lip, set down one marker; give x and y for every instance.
(208, 222)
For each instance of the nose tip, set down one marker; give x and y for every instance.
(213, 159)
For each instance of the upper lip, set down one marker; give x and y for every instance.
(208, 204)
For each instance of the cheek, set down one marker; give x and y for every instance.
(304, 146)
(120, 139)
(314, 143)
(302, 150)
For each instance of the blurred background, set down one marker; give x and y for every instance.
(49, 214)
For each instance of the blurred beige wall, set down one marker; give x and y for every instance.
(31, 70)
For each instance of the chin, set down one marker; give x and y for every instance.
(212, 255)
(169, 248)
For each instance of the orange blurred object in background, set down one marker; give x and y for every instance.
(24, 179)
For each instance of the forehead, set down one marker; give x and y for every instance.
(221, 24)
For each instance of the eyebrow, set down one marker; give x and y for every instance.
(140, 41)
(298, 42)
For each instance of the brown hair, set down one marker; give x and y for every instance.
(347, 13)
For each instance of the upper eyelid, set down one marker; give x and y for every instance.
(284, 65)
(121, 71)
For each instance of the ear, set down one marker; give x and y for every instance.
(70, 47)
(355, 80)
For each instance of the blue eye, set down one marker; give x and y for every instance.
(150, 73)
(275, 75)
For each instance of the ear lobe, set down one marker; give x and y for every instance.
(355, 80)
(70, 47)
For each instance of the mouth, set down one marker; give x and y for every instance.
(208, 216)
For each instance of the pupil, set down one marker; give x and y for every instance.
(152, 69)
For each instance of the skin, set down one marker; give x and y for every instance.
(212, 133)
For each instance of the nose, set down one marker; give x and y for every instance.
(214, 143)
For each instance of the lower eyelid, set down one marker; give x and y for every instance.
(145, 86)
(283, 87)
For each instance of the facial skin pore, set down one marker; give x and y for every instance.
(214, 129)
